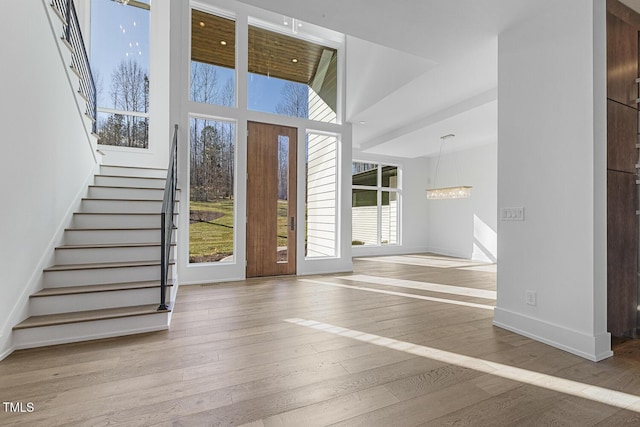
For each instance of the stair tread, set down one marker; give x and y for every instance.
(128, 186)
(90, 266)
(113, 199)
(134, 167)
(113, 228)
(131, 176)
(107, 287)
(124, 186)
(119, 213)
(88, 316)
(111, 245)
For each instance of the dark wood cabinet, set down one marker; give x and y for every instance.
(623, 25)
(622, 61)
(622, 126)
(622, 252)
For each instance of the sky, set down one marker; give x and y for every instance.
(120, 32)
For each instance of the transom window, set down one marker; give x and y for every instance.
(213, 59)
(291, 76)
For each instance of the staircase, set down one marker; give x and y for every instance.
(105, 277)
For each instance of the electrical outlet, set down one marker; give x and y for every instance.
(530, 297)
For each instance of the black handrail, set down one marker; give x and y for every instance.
(79, 58)
(166, 218)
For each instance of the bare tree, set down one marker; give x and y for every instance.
(128, 87)
(295, 101)
(129, 92)
(204, 83)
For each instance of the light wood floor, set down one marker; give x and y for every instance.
(363, 350)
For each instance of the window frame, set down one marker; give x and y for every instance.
(137, 114)
(379, 188)
(234, 122)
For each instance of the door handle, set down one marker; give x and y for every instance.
(293, 223)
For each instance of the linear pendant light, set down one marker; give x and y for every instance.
(440, 193)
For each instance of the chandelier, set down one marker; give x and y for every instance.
(440, 193)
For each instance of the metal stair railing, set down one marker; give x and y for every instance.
(166, 218)
(79, 59)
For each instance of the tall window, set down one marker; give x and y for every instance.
(291, 76)
(120, 61)
(375, 204)
(213, 59)
(322, 200)
(212, 179)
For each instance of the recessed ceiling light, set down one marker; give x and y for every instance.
(202, 24)
(223, 43)
(294, 60)
(362, 122)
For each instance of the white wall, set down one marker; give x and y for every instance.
(413, 206)
(551, 162)
(465, 228)
(47, 156)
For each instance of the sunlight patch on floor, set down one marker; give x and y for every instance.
(586, 391)
(401, 294)
(425, 261)
(423, 286)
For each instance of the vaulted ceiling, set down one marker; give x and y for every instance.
(417, 69)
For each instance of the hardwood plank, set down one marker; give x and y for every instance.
(334, 410)
(230, 358)
(424, 407)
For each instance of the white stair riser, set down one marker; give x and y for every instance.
(121, 206)
(107, 237)
(39, 306)
(126, 181)
(66, 256)
(140, 172)
(125, 193)
(95, 276)
(83, 331)
(115, 220)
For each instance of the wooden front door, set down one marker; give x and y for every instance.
(271, 200)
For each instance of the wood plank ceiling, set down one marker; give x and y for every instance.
(270, 54)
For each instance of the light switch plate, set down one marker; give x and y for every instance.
(512, 214)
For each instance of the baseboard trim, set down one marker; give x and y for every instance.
(594, 348)
(7, 352)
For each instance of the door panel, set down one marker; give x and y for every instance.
(271, 200)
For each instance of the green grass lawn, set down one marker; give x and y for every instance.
(211, 229)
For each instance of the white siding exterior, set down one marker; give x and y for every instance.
(321, 195)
